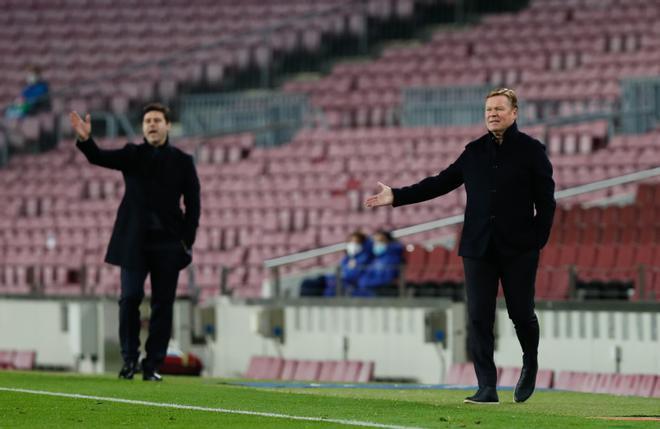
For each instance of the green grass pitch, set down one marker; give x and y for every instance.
(368, 407)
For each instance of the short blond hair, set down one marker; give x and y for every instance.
(508, 93)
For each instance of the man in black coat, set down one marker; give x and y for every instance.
(151, 235)
(510, 206)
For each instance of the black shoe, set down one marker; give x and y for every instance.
(485, 395)
(149, 372)
(128, 370)
(526, 383)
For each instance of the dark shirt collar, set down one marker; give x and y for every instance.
(163, 146)
(509, 133)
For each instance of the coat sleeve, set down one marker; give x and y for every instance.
(191, 201)
(446, 181)
(116, 159)
(544, 196)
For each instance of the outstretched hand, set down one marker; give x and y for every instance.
(82, 128)
(383, 198)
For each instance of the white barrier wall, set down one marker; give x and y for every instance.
(593, 340)
(76, 334)
(605, 337)
(391, 333)
(51, 328)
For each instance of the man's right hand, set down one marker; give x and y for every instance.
(382, 198)
(82, 128)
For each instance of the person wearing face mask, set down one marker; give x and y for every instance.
(508, 217)
(379, 277)
(151, 235)
(34, 97)
(358, 254)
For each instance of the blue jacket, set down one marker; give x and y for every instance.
(351, 269)
(382, 271)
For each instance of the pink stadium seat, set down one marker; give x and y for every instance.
(24, 360)
(328, 369)
(347, 371)
(307, 371)
(563, 380)
(265, 368)
(544, 378)
(646, 385)
(288, 369)
(604, 383)
(6, 359)
(656, 388)
(509, 376)
(366, 373)
(468, 376)
(455, 373)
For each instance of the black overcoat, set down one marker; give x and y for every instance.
(510, 193)
(155, 180)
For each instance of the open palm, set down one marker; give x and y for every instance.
(383, 198)
(83, 128)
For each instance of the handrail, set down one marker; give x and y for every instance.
(453, 220)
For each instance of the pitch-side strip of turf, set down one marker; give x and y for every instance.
(207, 409)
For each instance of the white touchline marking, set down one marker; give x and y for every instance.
(213, 410)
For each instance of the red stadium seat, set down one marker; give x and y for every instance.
(415, 264)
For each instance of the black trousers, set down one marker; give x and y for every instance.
(161, 265)
(482, 277)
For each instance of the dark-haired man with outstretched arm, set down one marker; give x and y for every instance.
(151, 235)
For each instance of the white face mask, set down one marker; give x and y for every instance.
(31, 78)
(353, 248)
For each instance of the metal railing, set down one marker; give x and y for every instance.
(273, 116)
(274, 264)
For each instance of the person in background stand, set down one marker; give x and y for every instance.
(379, 278)
(358, 254)
(34, 98)
(510, 207)
(151, 235)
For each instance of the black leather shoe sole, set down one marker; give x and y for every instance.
(470, 401)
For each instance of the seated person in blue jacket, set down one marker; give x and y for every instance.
(358, 255)
(34, 97)
(383, 270)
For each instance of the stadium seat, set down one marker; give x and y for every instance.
(307, 371)
(264, 368)
(646, 384)
(6, 359)
(288, 369)
(544, 378)
(24, 360)
(508, 376)
(366, 373)
(328, 369)
(604, 383)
